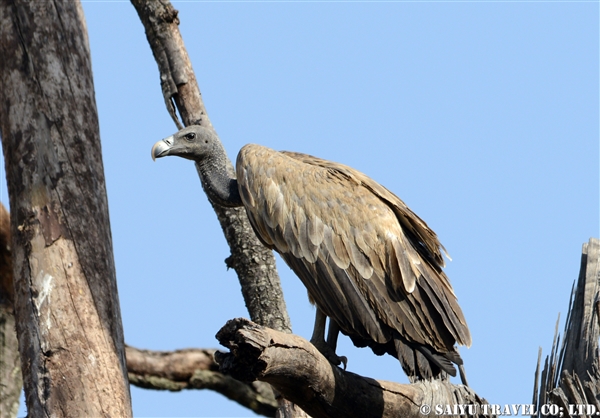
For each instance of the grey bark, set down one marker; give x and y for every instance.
(11, 381)
(571, 376)
(66, 303)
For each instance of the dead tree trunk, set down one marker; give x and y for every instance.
(66, 303)
(11, 381)
(571, 378)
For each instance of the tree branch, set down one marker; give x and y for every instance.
(195, 369)
(295, 368)
(253, 263)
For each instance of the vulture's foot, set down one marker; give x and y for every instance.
(329, 353)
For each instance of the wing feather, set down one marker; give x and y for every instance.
(315, 229)
(338, 255)
(366, 259)
(409, 280)
(357, 257)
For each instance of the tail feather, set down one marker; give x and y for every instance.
(422, 362)
(439, 360)
(418, 361)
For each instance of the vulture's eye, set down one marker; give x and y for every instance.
(190, 136)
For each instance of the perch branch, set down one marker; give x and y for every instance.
(295, 368)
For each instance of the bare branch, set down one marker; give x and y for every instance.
(253, 263)
(195, 369)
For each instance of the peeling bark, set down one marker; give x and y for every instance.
(66, 303)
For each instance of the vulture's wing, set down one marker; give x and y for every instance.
(366, 259)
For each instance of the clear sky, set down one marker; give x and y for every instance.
(481, 116)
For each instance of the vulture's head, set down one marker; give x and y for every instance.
(194, 143)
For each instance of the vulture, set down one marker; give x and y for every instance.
(369, 263)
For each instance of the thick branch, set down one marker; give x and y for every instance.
(195, 369)
(301, 374)
(253, 263)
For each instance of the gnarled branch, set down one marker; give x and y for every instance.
(302, 375)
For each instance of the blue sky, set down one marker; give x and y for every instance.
(481, 116)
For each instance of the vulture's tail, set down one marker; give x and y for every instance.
(421, 362)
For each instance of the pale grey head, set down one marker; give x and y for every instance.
(202, 145)
(193, 143)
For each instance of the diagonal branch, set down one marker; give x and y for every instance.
(253, 263)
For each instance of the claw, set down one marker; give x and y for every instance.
(344, 361)
(329, 354)
(327, 348)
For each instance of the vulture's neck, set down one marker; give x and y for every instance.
(219, 181)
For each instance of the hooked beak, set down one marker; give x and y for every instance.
(162, 148)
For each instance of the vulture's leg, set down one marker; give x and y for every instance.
(332, 337)
(318, 335)
(463, 376)
(318, 339)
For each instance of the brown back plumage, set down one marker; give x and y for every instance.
(367, 260)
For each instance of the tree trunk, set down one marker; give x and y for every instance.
(11, 381)
(66, 302)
